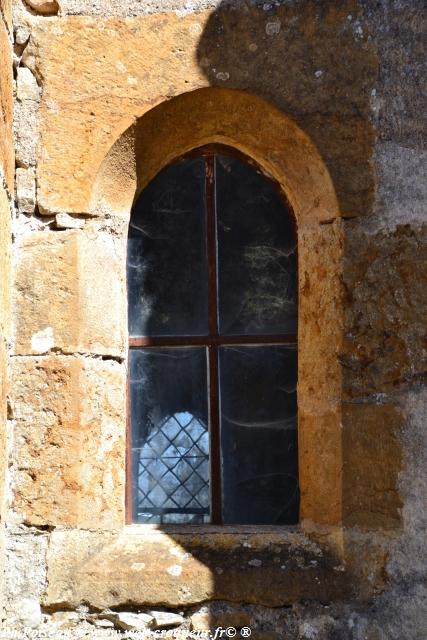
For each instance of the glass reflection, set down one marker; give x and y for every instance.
(170, 453)
(258, 434)
(167, 262)
(256, 253)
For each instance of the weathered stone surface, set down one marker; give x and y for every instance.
(385, 278)
(320, 258)
(69, 441)
(321, 473)
(126, 620)
(26, 133)
(30, 614)
(45, 7)
(5, 282)
(127, 8)
(201, 620)
(103, 624)
(347, 74)
(372, 458)
(25, 575)
(6, 10)
(228, 49)
(402, 185)
(64, 221)
(407, 562)
(26, 190)
(6, 108)
(66, 298)
(6, 195)
(26, 85)
(320, 250)
(147, 567)
(22, 34)
(128, 83)
(212, 616)
(287, 54)
(234, 118)
(65, 619)
(399, 31)
(166, 620)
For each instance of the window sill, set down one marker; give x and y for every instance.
(179, 566)
(210, 529)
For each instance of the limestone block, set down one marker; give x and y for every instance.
(220, 615)
(385, 279)
(201, 621)
(149, 567)
(127, 620)
(26, 133)
(25, 581)
(45, 7)
(6, 10)
(320, 260)
(30, 614)
(407, 558)
(166, 620)
(131, 7)
(65, 619)
(102, 624)
(69, 441)
(64, 221)
(26, 85)
(402, 183)
(5, 246)
(372, 461)
(4, 384)
(320, 257)
(128, 63)
(22, 34)
(26, 190)
(5, 334)
(6, 108)
(70, 293)
(320, 466)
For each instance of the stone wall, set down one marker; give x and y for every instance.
(6, 208)
(88, 78)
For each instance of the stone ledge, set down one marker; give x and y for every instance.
(143, 566)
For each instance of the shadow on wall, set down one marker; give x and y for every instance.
(314, 61)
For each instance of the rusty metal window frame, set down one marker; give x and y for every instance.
(214, 339)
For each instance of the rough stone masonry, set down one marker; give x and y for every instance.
(88, 91)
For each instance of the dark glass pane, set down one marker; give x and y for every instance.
(256, 253)
(170, 440)
(258, 434)
(167, 262)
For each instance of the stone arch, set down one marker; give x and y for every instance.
(228, 116)
(284, 152)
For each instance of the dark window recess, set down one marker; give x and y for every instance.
(167, 261)
(212, 290)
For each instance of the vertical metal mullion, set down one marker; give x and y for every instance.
(129, 498)
(215, 461)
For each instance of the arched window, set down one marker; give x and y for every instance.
(212, 290)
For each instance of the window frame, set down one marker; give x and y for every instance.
(214, 339)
